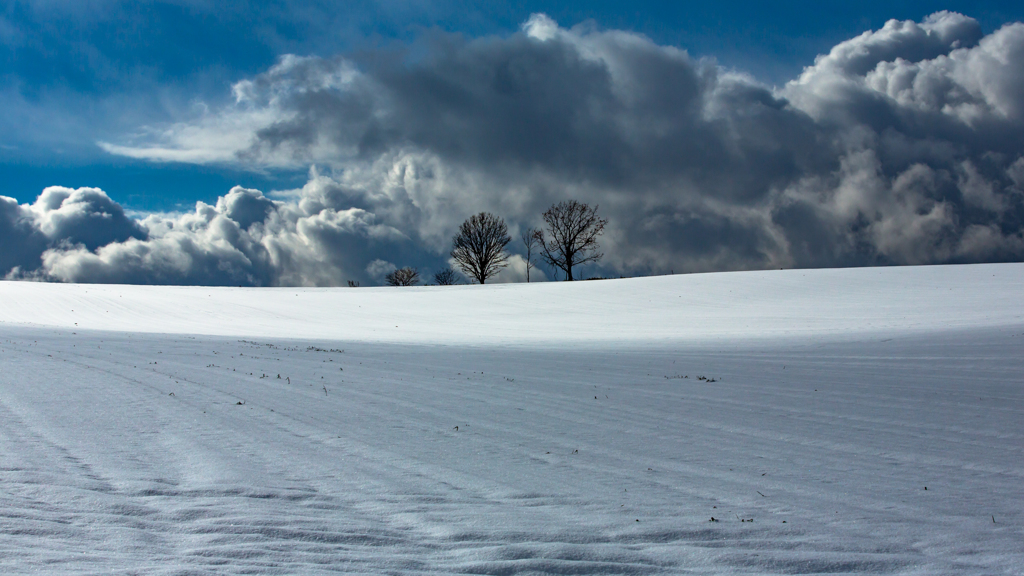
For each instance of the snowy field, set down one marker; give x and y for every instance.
(829, 421)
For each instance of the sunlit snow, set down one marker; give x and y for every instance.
(801, 421)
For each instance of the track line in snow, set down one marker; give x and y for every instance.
(539, 477)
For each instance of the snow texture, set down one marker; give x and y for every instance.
(830, 421)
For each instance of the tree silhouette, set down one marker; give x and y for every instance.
(403, 277)
(574, 228)
(446, 277)
(532, 238)
(479, 247)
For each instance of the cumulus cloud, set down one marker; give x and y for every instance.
(245, 239)
(62, 218)
(899, 146)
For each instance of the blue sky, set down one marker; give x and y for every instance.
(74, 73)
(307, 142)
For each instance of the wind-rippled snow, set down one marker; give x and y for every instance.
(830, 421)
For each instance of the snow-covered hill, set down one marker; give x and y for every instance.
(829, 421)
(687, 308)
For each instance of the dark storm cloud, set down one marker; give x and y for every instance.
(899, 146)
(607, 108)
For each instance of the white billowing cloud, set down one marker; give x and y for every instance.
(899, 146)
(379, 269)
(898, 40)
(85, 216)
(540, 27)
(85, 219)
(245, 239)
(942, 67)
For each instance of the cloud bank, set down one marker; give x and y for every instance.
(900, 146)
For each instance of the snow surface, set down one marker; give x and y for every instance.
(600, 426)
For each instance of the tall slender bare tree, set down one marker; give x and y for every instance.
(574, 228)
(479, 247)
(531, 238)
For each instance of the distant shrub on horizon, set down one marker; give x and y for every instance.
(446, 277)
(403, 277)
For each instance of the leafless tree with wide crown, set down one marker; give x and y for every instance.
(574, 228)
(479, 247)
(446, 277)
(403, 277)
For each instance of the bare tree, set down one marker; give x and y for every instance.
(479, 247)
(446, 277)
(403, 277)
(574, 228)
(532, 238)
